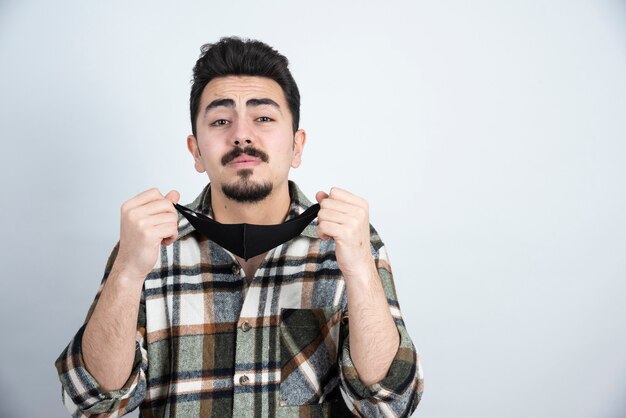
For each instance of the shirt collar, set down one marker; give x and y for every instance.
(202, 204)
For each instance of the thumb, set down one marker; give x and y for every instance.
(173, 196)
(319, 196)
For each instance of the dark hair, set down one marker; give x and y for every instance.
(235, 56)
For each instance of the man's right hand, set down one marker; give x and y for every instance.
(148, 221)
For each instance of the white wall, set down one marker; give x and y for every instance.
(488, 137)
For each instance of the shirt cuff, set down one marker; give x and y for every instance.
(403, 373)
(83, 389)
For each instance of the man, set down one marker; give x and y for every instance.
(184, 327)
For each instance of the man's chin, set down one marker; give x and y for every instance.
(245, 174)
(246, 191)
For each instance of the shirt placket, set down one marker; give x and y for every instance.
(243, 378)
(250, 346)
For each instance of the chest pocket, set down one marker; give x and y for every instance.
(309, 341)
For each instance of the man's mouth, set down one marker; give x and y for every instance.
(244, 159)
(247, 156)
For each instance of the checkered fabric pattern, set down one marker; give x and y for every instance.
(210, 343)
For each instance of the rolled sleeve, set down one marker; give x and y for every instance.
(400, 391)
(397, 394)
(82, 394)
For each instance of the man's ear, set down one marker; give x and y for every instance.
(299, 139)
(192, 146)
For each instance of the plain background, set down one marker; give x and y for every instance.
(488, 137)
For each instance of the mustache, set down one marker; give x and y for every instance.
(249, 150)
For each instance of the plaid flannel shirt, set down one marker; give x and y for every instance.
(210, 344)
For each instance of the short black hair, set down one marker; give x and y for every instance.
(245, 57)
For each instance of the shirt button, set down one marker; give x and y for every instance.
(245, 326)
(244, 379)
(235, 269)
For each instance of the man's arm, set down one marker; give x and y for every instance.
(379, 366)
(105, 362)
(147, 221)
(108, 342)
(82, 394)
(373, 336)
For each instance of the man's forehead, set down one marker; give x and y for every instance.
(242, 88)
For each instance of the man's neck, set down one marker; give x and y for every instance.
(271, 210)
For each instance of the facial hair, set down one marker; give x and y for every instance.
(244, 190)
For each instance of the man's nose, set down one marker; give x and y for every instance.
(242, 142)
(242, 135)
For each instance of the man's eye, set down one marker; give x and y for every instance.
(220, 122)
(264, 119)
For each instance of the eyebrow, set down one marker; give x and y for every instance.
(262, 101)
(252, 102)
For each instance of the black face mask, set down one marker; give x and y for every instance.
(248, 240)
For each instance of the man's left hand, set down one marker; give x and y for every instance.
(344, 217)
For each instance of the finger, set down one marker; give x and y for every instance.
(345, 196)
(330, 215)
(156, 207)
(172, 237)
(173, 196)
(319, 196)
(329, 229)
(142, 198)
(339, 206)
(162, 218)
(321, 234)
(165, 231)
(169, 240)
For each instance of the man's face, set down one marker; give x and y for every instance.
(248, 114)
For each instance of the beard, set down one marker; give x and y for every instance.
(243, 190)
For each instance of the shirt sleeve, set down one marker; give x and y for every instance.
(398, 394)
(81, 393)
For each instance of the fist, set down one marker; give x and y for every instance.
(148, 221)
(344, 217)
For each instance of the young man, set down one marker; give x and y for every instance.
(183, 326)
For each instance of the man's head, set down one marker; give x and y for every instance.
(245, 111)
(233, 56)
